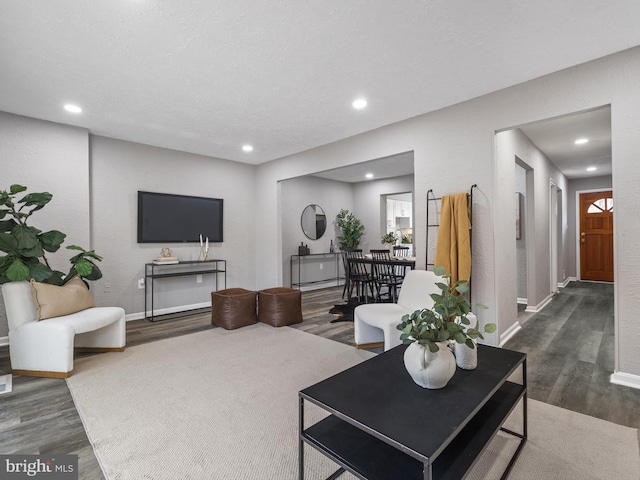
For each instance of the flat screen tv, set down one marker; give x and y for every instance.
(167, 218)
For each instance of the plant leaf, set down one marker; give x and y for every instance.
(490, 327)
(51, 240)
(7, 225)
(8, 243)
(15, 189)
(17, 271)
(433, 347)
(39, 271)
(460, 337)
(439, 271)
(37, 199)
(84, 267)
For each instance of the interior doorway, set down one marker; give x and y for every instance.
(596, 236)
(399, 218)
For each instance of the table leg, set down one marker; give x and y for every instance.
(300, 442)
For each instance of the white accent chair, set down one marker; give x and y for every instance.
(375, 323)
(45, 348)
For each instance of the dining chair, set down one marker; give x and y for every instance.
(345, 263)
(385, 275)
(400, 251)
(359, 277)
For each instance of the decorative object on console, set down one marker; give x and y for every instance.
(303, 249)
(432, 328)
(204, 250)
(25, 246)
(431, 370)
(166, 258)
(466, 357)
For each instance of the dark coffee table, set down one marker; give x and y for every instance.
(385, 427)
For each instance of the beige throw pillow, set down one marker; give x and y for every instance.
(53, 301)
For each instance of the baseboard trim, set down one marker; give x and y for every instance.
(540, 306)
(511, 331)
(566, 282)
(522, 301)
(625, 379)
(4, 341)
(164, 311)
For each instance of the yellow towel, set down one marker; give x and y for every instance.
(453, 250)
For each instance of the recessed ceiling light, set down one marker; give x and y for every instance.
(247, 148)
(591, 169)
(581, 141)
(369, 175)
(72, 108)
(359, 104)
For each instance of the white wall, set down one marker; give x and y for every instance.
(575, 185)
(295, 195)
(118, 170)
(521, 243)
(509, 145)
(371, 210)
(454, 148)
(48, 157)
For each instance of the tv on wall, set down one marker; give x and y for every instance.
(167, 218)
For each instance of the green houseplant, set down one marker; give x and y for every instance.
(389, 239)
(351, 229)
(446, 320)
(25, 246)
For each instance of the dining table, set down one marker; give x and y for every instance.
(368, 262)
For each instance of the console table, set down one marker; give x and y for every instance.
(385, 427)
(299, 259)
(154, 271)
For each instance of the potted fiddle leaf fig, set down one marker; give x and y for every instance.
(26, 247)
(351, 229)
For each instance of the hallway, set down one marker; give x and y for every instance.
(570, 349)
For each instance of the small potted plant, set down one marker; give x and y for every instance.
(430, 331)
(389, 240)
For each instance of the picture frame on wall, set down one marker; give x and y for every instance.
(519, 208)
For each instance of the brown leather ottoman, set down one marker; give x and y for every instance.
(280, 306)
(233, 308)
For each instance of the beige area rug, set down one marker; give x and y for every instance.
(224, 405)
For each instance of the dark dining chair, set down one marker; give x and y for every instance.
(345, 263)
(359, 277)
(400, 251)
(385, 275)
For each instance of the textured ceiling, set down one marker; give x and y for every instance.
(207, 77)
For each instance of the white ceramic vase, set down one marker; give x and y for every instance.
(466, 358)
(428, 369)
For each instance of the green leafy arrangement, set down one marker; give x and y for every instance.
(389, 238)
(25, 246)
(445, 321)
(351, 229)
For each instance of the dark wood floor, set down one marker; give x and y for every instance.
(569, 347)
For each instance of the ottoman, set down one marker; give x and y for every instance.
(280, 306)
(233, 308)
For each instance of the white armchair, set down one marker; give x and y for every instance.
(45, 348)
(375, 323)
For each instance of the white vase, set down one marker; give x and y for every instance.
(466, 358)
(428, 369)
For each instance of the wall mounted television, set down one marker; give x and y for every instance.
(168, 218)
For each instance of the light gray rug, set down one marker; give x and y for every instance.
(224, 405)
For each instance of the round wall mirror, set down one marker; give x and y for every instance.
(314, 222)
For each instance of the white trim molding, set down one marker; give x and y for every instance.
(625, 379)
(511, 331)
(4, 341)
(566, 282)
(164, 311)
(540, 306)
(523, 301)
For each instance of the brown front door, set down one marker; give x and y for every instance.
(596, 236)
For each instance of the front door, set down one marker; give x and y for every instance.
(596, 236)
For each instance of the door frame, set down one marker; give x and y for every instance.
(577, 239)
(553, 237)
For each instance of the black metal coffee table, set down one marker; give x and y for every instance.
(385, 427)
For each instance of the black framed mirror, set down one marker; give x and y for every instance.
(313, 221)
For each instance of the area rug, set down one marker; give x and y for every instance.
(223, 405)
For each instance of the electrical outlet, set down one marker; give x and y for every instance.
(198, 278)
(321, 266)
(107, 288)
(141, 283)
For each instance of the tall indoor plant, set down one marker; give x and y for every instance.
(25, 246)
(351, 229)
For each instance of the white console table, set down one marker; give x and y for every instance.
(154, 271)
